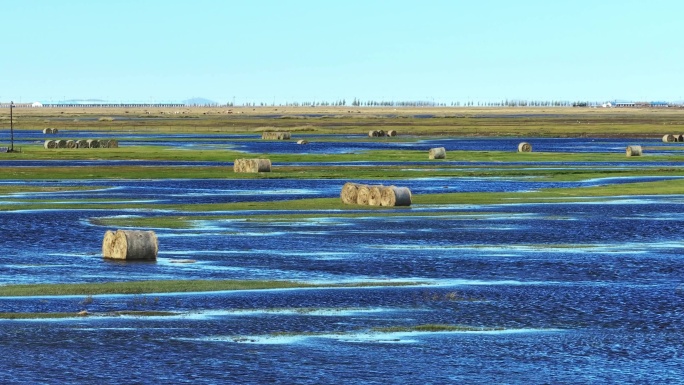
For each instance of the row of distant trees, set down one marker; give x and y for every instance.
(426, 103)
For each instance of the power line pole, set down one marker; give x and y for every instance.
(11, 128)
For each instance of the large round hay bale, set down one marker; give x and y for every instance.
(680, 138)
(135, 245)
(395, 196)
(60, 143)
(108, 244)
(363, 195)
(668, 138)
(437, 153)
(381, 133)
(47, 130)
(633, 151)
(392, 133)
(524, 147)
(93, 143)
(54, 130)
(252, 165)
(375, 195)
(302, 141)
(349, 193)
(81, 143)
(70, 144)
(49, 144)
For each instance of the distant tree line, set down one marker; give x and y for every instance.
(356, 102)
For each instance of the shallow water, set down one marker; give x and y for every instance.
(584, 292)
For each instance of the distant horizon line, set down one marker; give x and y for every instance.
(343, 102)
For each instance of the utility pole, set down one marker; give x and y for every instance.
(11, 128)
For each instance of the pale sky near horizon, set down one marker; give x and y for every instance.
(302, 50)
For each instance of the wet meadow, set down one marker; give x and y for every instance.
(561, 265)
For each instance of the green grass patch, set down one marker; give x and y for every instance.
(433, 328)
(171, 286)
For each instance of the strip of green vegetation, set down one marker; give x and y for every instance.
(61, 315)
(172, 286)
(433, 328)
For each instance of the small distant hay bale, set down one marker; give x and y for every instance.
(392, 133)
(108, 244)
(54, 130)
(381, 133)
(82, 143)
(395, 196)
(49, 144)
(373, 133)
(302, 141)
(524, 147)
(252, 165)
(437, 153)
(633, 151)
(113, 143)
(668, 138)
(135, 245)
(61, 143)
(47, 130)
(363, 195)
(349, 193)
(93, 143)
(104, 143)
(375, 196)
(70, 144)
(680, 138)
(276, 135)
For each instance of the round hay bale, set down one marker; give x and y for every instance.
(302, 141)
(373, 133)
(680, 138)
(437, 153)
(47, 130)
(104, 143)
(108, 244)
(135, 245)
(60, 143)
(668, 138)
(395, 196)
(93, 143)
(70, 144)
(252, 165)
(633, 151)
(392, 133)
(113, 143)
(349, 193)
(375, 195)
(81, 143)
(363, 195)
(263, 165)
(49, 144)
(524, 147)
(54, 130)
(381, 133)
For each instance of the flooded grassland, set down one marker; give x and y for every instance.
(560, 265)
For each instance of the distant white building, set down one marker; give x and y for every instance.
(37, 104)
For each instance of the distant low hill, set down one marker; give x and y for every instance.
(199, 102)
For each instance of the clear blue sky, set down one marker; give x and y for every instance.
(261, 51)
